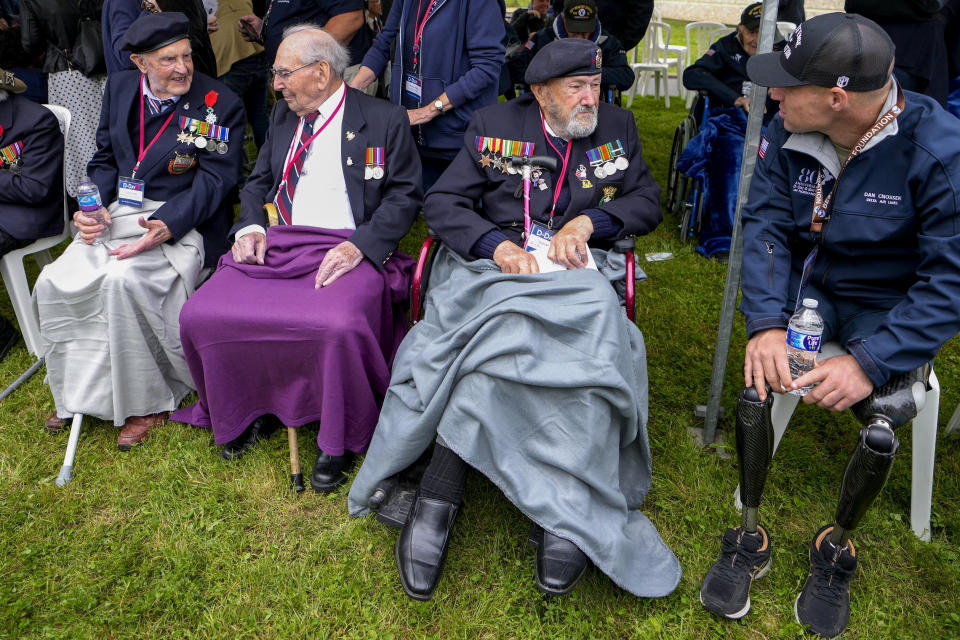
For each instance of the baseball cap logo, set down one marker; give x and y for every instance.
(797, 35)
(787, 52)
(843, 81)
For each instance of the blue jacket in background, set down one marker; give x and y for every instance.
(462, 55)
(892, 242)
(116, 18)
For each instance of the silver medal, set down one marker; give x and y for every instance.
(222, 148)
(367, 172)
(211, 117)
(377, 173)
(621, 163)
(609, 168)
(200, 142)
(599, 172)
(511, 169)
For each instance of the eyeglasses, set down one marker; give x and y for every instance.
(283, 74)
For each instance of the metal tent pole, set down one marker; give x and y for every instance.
(758, 97)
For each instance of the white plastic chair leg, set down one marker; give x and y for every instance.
(954, 420)
(924, 450)
(66, 471)
(15, 278)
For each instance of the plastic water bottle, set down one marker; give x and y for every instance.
(88, 196)
(803, 341)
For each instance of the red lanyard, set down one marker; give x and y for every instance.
(821, 205)
(143, 151)
(563, 170)
(296, 155)
(418, 31)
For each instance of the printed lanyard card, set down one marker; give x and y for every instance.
(413, 86)
(538, 244)
(130, 192)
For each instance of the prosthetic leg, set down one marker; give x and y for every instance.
(754, 432)
(887, 408)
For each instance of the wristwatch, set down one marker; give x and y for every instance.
(438, 105)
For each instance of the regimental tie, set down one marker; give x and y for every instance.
(284, 198)
(156, 105)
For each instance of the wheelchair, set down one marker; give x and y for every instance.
(394, 497)
(685, 196)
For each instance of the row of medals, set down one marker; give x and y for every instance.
(199, 141)
(610, 167)
(372, 171)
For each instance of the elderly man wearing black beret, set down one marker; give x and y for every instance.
(168, 154)
(525, 366)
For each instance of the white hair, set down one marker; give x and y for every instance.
(320, 47)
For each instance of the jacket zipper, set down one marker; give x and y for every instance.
(769, 262)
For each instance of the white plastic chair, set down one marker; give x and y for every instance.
(671, 52)
(652, 60)
(784, 29)
(924, 445)
(700, 35)
(15, 276)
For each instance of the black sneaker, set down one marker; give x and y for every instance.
(824, 604)
(743, 558)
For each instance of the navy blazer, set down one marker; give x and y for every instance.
(384, 209)
(196, 188)
(31, 203)
(631, 196)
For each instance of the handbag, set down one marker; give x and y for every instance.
(87, 54)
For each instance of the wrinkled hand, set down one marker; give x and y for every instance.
(422, 115)
(88, 226)
(157, 233)
(743, 103)
(212, 24)
(513, 259)
(253, 22)
(340, 260)
(364, 77)
(569, 245)
(842, 383)
(249, 248)
(766, 360)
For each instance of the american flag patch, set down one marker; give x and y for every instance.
(710, 52)
(763, 148)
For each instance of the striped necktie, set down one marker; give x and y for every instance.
(284, 198)
(156, 105)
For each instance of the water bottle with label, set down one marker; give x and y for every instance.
(88, 197)
(803, 341)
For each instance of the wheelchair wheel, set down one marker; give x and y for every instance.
(681, 136)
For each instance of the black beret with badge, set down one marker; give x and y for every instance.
(155, 31)
(564, 57)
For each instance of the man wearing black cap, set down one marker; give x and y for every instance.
(853, 203)
(578, 20)
(31, 177)
(168, 153)
(534, 378)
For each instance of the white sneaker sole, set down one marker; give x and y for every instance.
(746, 609)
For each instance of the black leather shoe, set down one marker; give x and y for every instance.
(260, 429)
(560, 564)
(422, 546)
(330, 472)
(8, 337)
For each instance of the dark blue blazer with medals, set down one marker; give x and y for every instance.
(193, 183)
(630, 195)
(31, 202)
(383, 209)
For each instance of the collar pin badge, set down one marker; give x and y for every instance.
(349, 161)
(350, 135)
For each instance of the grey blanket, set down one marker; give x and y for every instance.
(539, 382)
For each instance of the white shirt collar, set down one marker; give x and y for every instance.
(149, 94)
(328, 105)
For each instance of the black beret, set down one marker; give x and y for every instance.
(564, 57)
(154, 31)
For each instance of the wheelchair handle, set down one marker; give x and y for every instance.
(544, 162)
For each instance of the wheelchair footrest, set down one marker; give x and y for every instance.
(392, 502)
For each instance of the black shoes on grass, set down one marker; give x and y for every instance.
(744, 557)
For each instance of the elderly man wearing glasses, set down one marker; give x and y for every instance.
(301, 321)
(168, 153)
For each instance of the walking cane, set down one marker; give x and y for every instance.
(526, 164)
(295, 476)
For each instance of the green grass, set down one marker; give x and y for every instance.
(170, 541)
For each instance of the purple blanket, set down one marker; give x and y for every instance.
(260, 339)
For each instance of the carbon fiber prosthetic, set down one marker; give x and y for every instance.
(888, 407)
(754, 432)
